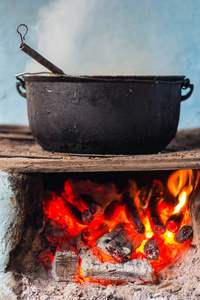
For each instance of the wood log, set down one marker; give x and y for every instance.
(174, 222)
(136, 238)
(92, 232)
(131, 211)
(116, 244)
(70, 192)
(101, 193)
(153, 247)
(184, 234)
(88, 202)
(113, 210)
(83, 218)
(135, 270)
(64, 266)
(87, 217)
(156, 223)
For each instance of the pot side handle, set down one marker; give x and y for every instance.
(186, 84)
(21, 85)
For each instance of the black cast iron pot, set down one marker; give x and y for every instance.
(103, 114)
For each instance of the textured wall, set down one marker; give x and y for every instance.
(20, 203)
(12, 217)
(12, 13)
(101, 37)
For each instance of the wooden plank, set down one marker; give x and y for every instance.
(15, 129)
(27, 156)
(16, 136)
(13, 132)
(98, 164)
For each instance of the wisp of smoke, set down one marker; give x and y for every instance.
(110, 37)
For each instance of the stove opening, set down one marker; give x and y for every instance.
(116, 227)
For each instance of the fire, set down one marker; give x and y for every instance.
(179, 180)
(182, 200)
(153, 222)
(148, 230)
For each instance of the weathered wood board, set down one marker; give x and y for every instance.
(20, 153)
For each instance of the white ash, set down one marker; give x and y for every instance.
(180, 282)
(132, 270)
(89, 291)
(116, 243)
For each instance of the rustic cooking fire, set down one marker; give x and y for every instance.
(99, 223)
(101, 216)
(124, 231)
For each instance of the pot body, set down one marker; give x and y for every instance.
(103, 115)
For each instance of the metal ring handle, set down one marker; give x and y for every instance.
(185, 85)
(19, 85)
(22, 37)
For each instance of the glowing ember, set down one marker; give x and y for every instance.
(121, 225)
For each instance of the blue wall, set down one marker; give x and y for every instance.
(12, 13)
(101, 37)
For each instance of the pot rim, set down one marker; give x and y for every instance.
(45, 76)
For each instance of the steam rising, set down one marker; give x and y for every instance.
(108, 37)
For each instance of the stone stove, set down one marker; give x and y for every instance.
(25, 168)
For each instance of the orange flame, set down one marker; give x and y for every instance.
(63, 228)
(182, 201)
(180, 179)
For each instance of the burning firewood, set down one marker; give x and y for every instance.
(90, 234)
(174, 222)
(64, 266)
(136, 270)
(54, 201)
(55, 233)
(84, 236)
(83, 218)
(88, 202)
(153, 247)
(112, 211)
(71, 194)
(87, 216)
(101, 193)
(117, 244)
(184, 234)
(156, 223)
(131, 210)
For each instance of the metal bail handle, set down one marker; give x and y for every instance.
(21, 85)
(35, 55)
(185, 85)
